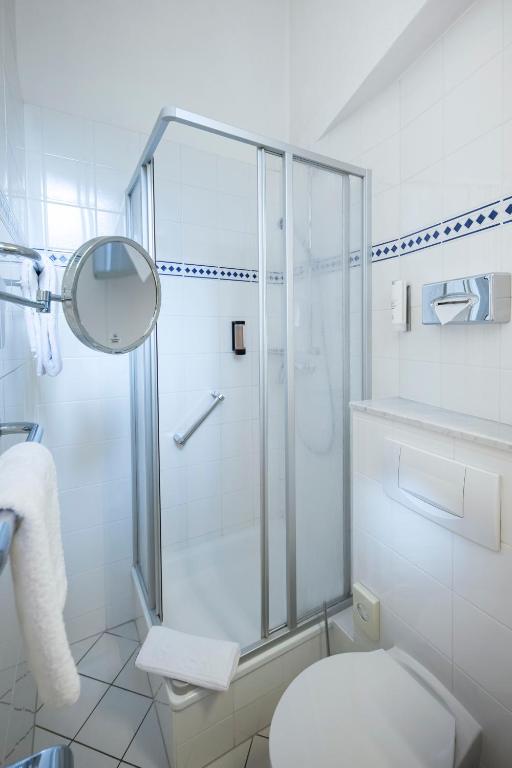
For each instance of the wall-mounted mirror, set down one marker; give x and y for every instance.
(110, 293)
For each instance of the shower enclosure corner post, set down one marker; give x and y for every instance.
(366, 274)
(144, 412)
(263, 384)
(346, 457)
(291, 563)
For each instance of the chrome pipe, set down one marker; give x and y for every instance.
(33, 431)
(11, 249)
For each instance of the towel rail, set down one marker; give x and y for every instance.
(9, 520)
(180, 438)
(33, 431)
(19, 251)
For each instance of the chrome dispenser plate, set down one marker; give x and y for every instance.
(475, 299)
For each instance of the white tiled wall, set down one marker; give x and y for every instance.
(17, 690)
(443, 598)
(77, 172)
(438, 141)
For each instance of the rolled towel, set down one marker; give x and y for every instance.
(28, 487)
(50, 347)
(29, 288)
(201, 661)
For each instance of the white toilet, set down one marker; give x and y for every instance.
(380, 709)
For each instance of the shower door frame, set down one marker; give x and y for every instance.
(289, 154)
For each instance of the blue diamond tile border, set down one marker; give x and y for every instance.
(471, 222)
(488, 216)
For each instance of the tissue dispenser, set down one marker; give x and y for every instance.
(476, 299)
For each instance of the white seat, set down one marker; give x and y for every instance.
(370, 710)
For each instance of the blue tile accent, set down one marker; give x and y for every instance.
(387, 250)
(476, 220)
(207, 271)
(470, 222)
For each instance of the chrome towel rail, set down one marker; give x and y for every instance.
(19, 251)
(9, 520)
(33, 431)
(180, 438)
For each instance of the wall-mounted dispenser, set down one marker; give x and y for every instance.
(400, 305)
(477, 299)
(238, 337)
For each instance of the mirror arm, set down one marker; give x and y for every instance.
(41, 304)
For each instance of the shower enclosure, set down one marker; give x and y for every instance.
(242, 530)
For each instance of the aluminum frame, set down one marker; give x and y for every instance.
(263, 391)
(146, 355)
(289, 153)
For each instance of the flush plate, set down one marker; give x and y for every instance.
(464, 499)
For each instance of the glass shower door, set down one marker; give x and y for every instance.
(207, 248)
(321, 371)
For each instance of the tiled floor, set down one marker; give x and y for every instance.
(114, 722)
(258, 756)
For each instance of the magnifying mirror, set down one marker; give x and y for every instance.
(110, 293)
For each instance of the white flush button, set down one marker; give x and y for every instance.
(366, 609)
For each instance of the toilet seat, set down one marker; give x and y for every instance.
(360, 710)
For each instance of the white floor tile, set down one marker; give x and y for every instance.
(79, 649)
(107, 657)
(68, 720)
(46, 739)
(128, 630)
(147, 748)
(114, 722)
(134, 679)
(83, 757)
(259, 755)
(265, 732)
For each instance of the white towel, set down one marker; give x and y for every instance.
(29, 288)
(28, 486)
(42, 326)
(50, 348)
(197, 660)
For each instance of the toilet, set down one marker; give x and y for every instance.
(379, 709)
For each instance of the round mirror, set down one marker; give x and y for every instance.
(111, 294)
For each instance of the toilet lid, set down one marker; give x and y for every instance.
(360, 710)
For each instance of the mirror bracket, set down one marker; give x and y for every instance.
(109, 263)
(42, 303)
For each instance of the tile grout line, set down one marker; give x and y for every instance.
(248, 752)
(100, 699)
(136, 732)
(85, 746)
(109, 686)
(118, 687)
(98, 751)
